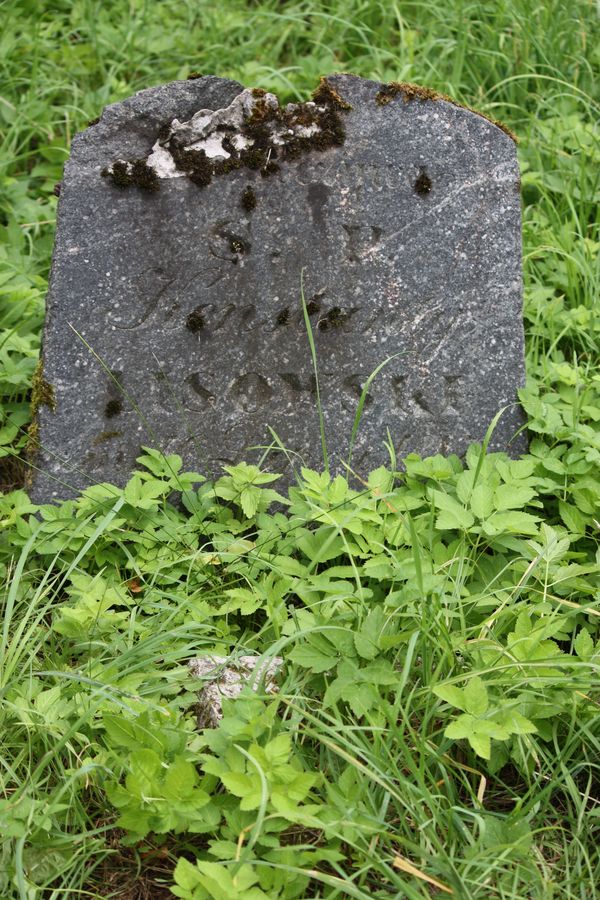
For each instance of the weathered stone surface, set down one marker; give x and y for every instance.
(226, 677)
(399, 214)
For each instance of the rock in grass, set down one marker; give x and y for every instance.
(195, 217)
(225, 677)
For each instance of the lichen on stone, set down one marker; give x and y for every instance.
(254, 132)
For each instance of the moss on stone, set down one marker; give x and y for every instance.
(195, 322)
(105, 436)
(42, 394)
(264, 155)
(422, 183)
(135, 172)
(113, 408)
(411, 92)
(248, 199)
(326, 95)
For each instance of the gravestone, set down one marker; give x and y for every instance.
(204, 230)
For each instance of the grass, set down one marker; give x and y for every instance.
(436, 729)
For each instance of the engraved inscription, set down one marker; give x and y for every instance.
(250, 391)
(318, 195)
(114, 401)
(352, 388)
(229, 240)
(437, 400)
(293, 381)
(199, 390)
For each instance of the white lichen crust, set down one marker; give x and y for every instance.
(254, 117)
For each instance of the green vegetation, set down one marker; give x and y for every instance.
(436, 729)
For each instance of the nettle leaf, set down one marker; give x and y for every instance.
(159, 464)
(144, 494)
(482, 501)
(249, 501)
(478, 732)
(453, 695)
(452, 514)
(476, 698)
(514, 722)
(512, 496)
(309, 657)
(366, 640)
(584, 645)
(241, 600)
(180, 779)
(513, 522)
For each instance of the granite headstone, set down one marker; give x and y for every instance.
(201, 226)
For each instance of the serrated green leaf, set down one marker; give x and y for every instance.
(187, 875)
(239, 783)
(366, 639)
(310, 658)
(514, 722)
(180, 780)
(491, 729)
(482, 501)
(241, 600)
(461, 727)
(511, 522)
(512, 496)
(249, 501)
(451, 694)
(476, 698)
(278, 750)
(584, 645)
(145, 767)
(481, 744)
(360, 697)
(452, 514)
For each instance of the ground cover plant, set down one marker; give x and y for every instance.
(436, 727)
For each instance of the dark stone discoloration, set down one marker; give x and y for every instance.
(201, 289)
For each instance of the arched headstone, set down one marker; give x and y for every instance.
(193, 219)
